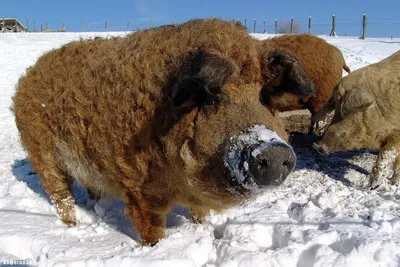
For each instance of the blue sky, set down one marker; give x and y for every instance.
(383, 16)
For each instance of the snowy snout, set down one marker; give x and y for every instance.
(259, 157)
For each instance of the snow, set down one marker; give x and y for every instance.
(321, 215)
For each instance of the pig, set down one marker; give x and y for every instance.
(366, 105)
(165, 116)
(322, 62)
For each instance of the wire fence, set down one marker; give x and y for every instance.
(356, 26)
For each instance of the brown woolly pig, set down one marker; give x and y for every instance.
(321, 61)
(367, 111)
(163, 116)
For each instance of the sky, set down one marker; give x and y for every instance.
(383, 16)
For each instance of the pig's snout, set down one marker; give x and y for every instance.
(321, 148)
(259, 157)
(271, 164)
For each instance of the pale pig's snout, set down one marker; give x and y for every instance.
(321, 148)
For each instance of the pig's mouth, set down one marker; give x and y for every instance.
(258, 157)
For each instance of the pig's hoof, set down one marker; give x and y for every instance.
(395, 180)
(69, 219)
(66, 212)
(199, 215)
(374, 184)
(149, 243)
(196, 219)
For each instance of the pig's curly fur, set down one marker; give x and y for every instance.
(321, 61)
(100, 111)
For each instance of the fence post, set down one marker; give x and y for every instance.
(333, 31)
(83, 26)
(27, 24)
(41, 27)
(364, 25)
(254, 27)
(276, 26)
(128, 26)
(265, 28)
(151, 24)
(245, 24)
(291, 25)
(309, 25)
(34, 26)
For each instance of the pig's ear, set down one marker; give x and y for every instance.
(354, 101)
(283, 72)
(201, 78)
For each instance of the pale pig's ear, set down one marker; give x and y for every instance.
(354, 101)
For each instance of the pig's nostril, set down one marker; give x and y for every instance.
(263, 163)
(286, 163)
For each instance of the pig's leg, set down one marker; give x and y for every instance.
(57, 185)
(396, 175)
(149, 224)
(386, 162)
(199, 214)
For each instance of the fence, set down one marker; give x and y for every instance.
(355, 26)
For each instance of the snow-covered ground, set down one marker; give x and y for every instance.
(320, 217)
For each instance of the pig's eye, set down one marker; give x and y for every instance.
(265, 97)
(212, 97)
(276, 60)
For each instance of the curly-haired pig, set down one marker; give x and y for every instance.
(165, 116)
(367, 113)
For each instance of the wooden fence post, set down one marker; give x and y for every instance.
(276, 26)
(105, 25)
(151, 24)
(364, 25)
(41, 27)
(245, 24)
(333, 31)
(265, 28)
(27, 24)
(291, 25)
(309, 25)
(254, 27)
